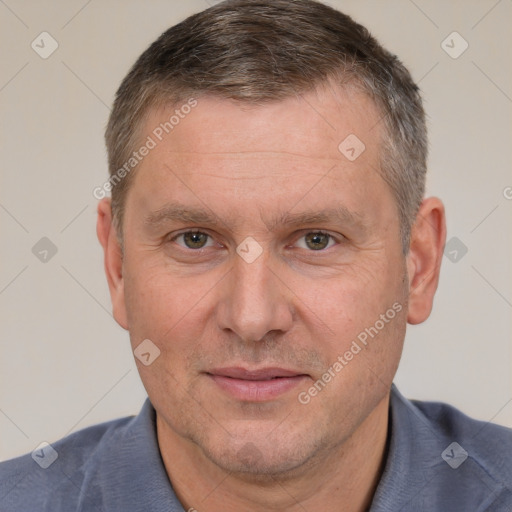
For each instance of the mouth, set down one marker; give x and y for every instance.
(259, 385)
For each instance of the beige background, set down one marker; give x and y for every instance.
(65, 364)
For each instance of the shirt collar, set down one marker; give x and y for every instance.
(136, 475)
(415, 476)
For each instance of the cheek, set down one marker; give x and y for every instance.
(162, 306)
(170, 313)
(352, 298)
(365, 317)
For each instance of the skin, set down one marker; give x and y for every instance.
(294, 307)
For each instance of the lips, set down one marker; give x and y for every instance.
(258, 385)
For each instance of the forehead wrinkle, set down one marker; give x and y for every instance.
(339, 215)
(178, 212)
(197, 215)
(256, 154)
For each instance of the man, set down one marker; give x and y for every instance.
(266, 244)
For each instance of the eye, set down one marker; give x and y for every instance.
(193, 240)
(316, 241)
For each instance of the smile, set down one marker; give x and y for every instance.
(256, 385)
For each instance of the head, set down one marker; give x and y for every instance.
(286, 48)
(274, 226)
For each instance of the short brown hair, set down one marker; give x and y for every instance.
(261, 51)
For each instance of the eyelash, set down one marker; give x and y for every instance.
(191, 232)
(316, 232)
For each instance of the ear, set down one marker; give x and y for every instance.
(113, 260)
(428, 235)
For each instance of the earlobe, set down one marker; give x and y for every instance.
(113, 260)
(428, 236)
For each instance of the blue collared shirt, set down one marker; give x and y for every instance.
(438, 460)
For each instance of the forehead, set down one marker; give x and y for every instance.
(254, 157)
(311, 124)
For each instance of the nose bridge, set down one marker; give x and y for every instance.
(254, 301)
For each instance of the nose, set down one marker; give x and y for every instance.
(255, 300)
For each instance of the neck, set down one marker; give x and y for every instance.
(345, 478)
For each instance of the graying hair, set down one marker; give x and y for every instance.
(262, 51)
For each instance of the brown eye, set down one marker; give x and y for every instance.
(193, 239)
(317, 240)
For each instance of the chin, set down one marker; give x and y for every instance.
(263, 459)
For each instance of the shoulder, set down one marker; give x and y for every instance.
(26, 482)
(489, 444)
(439, 457)
(115, 466)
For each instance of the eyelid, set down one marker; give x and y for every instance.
(193, 231)
(337, 238)
(334, 238)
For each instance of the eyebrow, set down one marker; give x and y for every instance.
(175, 212)
(180, 213)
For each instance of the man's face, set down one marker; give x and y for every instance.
(255, 254)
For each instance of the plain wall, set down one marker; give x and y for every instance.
(66, 364)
